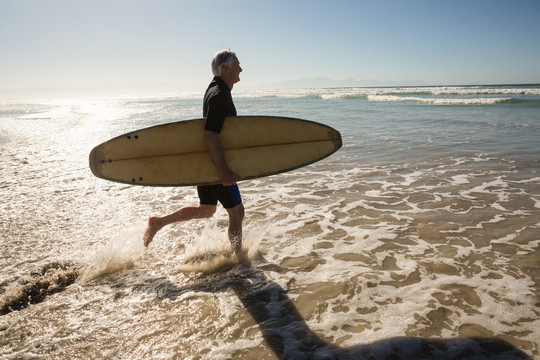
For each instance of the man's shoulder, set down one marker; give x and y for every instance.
(217, 100)
(215, 93)
(214, 90)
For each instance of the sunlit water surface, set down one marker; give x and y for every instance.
(419, 238)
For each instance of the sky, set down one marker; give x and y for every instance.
(89, 43)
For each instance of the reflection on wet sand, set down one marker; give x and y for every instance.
(288, 335)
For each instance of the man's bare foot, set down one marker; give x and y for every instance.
(242, 256)
(154, 225)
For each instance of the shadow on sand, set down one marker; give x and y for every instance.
(289, 337)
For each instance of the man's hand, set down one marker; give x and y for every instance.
(229, 178)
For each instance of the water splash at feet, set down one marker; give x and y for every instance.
(118, 254)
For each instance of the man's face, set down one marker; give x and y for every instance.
(233, 71)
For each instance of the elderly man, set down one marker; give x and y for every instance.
(218, 104)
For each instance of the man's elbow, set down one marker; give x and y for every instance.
(211, 138)
(210, 135)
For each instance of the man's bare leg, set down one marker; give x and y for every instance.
(188, 213)
(236, 216)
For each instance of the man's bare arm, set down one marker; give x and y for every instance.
(215, 149)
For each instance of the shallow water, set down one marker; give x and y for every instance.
(418, 238)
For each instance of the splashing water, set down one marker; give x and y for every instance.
(118, 254)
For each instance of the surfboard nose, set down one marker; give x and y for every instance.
(336, 138)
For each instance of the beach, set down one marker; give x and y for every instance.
(418, 239)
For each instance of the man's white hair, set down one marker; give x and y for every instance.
(220, 58)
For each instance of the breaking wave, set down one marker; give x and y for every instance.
(442, 101)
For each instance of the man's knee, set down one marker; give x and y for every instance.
(237, 212)
(207, 210)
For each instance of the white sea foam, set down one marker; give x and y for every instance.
(460, 179)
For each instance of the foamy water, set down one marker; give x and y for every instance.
(418, 239)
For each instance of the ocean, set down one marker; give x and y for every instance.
(418, 239)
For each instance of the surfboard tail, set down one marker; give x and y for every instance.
(92, 161)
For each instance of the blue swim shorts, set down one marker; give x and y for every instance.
(228, 196)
